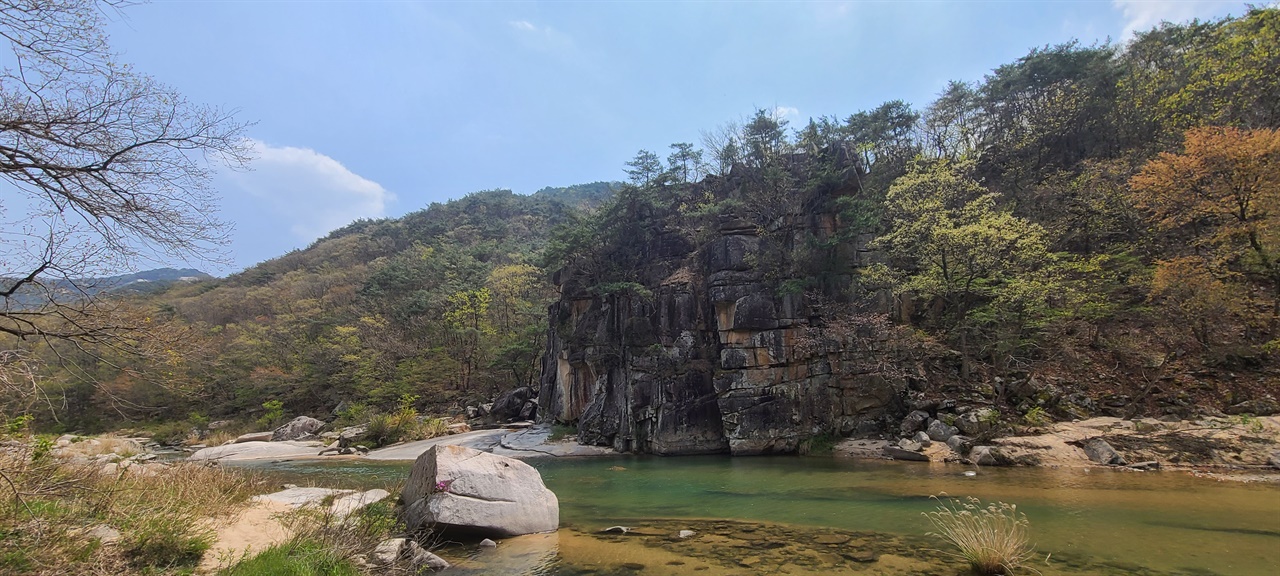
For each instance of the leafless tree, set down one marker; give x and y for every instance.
(101, 169)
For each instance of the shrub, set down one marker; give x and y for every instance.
(991, 538)
(354, 414)
(273, 415)
(163, 513)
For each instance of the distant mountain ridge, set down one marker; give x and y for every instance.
(144, 282)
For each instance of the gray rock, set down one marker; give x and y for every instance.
(387, 551)
(1256, 407)
(297, 428)
(960, 443)
(1148, 465)
(922, 438)
(298, 497)
(1099, 451)
(1274, 461)
(487, 543)
(902, 454)
(686, 534)
(911, 445)
(452, 487)
(913, 422)
(976, 422)
(403, 550)
(509, 405)
(984, 456)
(351, 434)
(940, 431)
(344, 506)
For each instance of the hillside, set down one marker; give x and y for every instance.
(443, 304)
(1087, 230)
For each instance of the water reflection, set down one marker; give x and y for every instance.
(1169, 522)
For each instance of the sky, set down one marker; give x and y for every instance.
(375, 109)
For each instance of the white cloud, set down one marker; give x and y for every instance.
(786, 112)
(1141, 15)
(310, 192)
(541, 37)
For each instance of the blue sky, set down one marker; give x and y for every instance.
(371, 109)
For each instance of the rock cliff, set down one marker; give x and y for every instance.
(713, 349)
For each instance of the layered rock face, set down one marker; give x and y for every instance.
(716, 354)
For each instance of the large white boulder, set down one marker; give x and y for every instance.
(462, 489)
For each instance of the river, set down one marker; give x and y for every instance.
(1082, 521)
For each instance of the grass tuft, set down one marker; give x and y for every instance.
(297, 557)
(164, 514)
(992, 538)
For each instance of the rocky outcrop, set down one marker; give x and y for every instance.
(464, 490)
(296, 429)
(712, 352)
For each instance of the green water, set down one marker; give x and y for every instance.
(1165, 522)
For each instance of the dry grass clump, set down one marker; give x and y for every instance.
(991, 538)
(62, 517)
(323, 542)
(123, 447)
(219, 437)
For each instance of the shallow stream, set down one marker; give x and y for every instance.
(817, 515)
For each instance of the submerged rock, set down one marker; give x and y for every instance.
(462, 489)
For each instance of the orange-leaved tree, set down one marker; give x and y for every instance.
(1224, 190)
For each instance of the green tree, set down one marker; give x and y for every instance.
(953, 244)
(685, 162)
(644, 169)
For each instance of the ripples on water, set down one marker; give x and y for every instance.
(1165, 522)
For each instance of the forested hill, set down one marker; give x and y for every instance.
(1085, 230)
(1088, 230)
(442, 303)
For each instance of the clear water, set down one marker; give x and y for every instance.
(1163, 522)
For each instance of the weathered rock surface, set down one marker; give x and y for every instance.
(976, 422)
(898, 453)
(253, 437)
(1256, 407)
(257, 450)
(1101, 452)
(939, 431)
(406, 551)
(509, 405)
(984, 456)
(461, 489)
(299, 427)
(914, 421)
(713, 355)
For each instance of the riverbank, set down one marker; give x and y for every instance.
(1226, 448)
